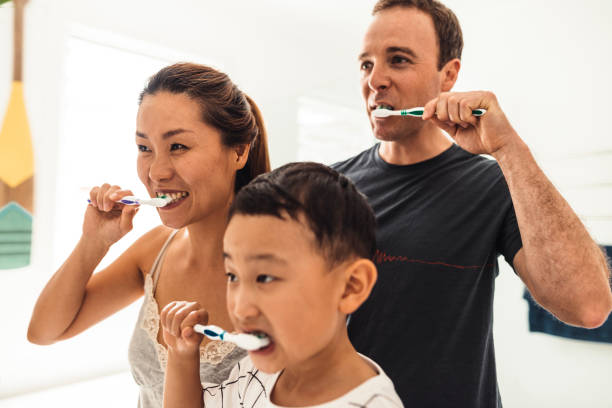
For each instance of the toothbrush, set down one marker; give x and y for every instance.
(242, 340)
(415, 112)
(155, 202)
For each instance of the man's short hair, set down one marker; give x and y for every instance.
(342, 221)
(446, 24)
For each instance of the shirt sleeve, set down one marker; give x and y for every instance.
(509, 241)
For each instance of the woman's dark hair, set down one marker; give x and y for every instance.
(339, 216)
(223, 106)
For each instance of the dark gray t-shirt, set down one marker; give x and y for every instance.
(441, 224)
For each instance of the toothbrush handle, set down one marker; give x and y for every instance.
(479, 112)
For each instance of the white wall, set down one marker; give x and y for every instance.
(543, 59)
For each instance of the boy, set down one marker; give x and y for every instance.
(297, 254)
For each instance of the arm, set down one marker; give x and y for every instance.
(182, 387)
(563, 268)
(73, 299)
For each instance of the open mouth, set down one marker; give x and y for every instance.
(175, 196)
(384, 106)
(262, 335)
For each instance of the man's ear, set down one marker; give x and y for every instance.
(449, 74)
(242, 155)
(360, 277)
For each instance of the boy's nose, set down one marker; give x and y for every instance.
(243, 306)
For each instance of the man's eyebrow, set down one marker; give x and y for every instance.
(166, 135)
(391, 50)
(267, 257)
(405, 50)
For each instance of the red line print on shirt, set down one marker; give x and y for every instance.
(381, 257)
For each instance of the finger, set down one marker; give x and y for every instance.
(170, 326)
(100, 198)
(179, 315)
(430, 109)
(198, 316)
(119, 194)
(453, 112)
(163, 315)
(126, 222)
(109, 201)
(465, 112)
(442, 108)
(93, 197)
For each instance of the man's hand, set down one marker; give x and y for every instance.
(488, 134)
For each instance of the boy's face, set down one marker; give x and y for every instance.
(279, 284)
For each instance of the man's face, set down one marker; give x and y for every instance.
(399, 69)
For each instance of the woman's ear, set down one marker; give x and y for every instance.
(360, 277)
(242, 155)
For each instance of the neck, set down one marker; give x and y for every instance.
(428, 142)
(329, 374)
(204, 240)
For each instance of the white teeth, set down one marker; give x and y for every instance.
(173, 196)
(384, 107)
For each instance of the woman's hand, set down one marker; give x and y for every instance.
(177, 320)
(105, 219)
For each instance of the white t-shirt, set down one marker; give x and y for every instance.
(247, 387)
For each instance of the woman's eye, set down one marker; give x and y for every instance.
(143, 148)
(231, 277)
(177, 146)
(366, 65)
(265, 278)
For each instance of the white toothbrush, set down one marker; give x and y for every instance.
(414, 112)
(155, 202)
(242, 340)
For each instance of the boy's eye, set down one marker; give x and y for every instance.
(231, 277)
(177, 146)
(265, 278)
(143, 148)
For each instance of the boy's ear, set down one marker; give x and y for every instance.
(242, 155)
(360, 277)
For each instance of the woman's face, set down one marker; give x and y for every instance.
(181, 156)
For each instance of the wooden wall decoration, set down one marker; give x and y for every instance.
(16, 164)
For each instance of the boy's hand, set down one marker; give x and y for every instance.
(177, 320)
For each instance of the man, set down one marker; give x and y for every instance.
(444, 214)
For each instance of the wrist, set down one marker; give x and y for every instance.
(513, 150)
(93, 247)
(184, 358)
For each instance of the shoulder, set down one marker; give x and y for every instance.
(145, 249)
(377, 392)
(356, 162)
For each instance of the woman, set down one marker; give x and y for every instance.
(200, 139)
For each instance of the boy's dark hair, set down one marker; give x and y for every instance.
(446, 24)
(339, 216)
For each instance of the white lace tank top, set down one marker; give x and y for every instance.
(148, 358)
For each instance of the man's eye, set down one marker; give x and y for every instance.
(231, 277)
(265, 278)
(143, 148)
(177, 146)
(399, 60)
